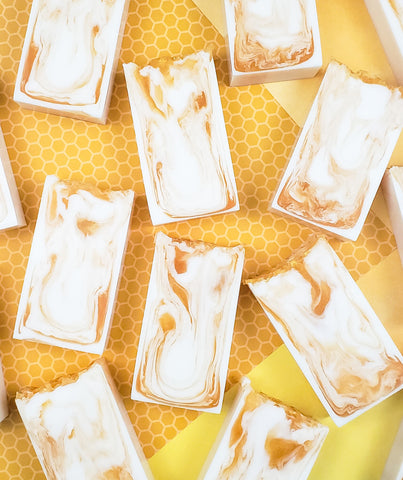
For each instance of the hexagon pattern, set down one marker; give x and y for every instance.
(261, 137)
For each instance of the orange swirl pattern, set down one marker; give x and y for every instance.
(188, 324)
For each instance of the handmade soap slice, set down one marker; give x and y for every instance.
(69, 57)
(394, 465)
(181, 138)
(342, 153)
(263, 438)
(387, 16)
(392, 187)
(271, 40)
(74, 266)
(80, 429)
(331, 330)
(187, 329)
(3, 396)
(11, 214)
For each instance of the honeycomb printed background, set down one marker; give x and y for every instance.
(261, 137)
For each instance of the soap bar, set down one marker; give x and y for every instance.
(3, 396)
(80, 429)
(188, 323)
(392, 188)
(341, 155)
(74, 267)
(181, 138)
(393, 469)
(331, 330)
(387, 16)
(271, 40)
(11, 214)
(263, 438)
(69, 57)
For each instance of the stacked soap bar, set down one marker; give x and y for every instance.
(392, 187)
(69, 57)
(334, 335)
(342, 153)
(187, 329)
(271, 40)
(181, 138)
(80, 429)
(74, 266)
(387, 16)
(3, 396)
(262, 438)
(11, 214)
(394, 465)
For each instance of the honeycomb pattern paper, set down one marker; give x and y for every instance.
(261, 136)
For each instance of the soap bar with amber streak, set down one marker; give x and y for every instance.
(80, 429)
(263, 438)
(188, 322)
(342, 153)
(387, 16)
(3, 396)
(271, 40)
(182, 142)
(69, 57)
(392, 187)
(11, 214)
(331, 330)
(74, 266)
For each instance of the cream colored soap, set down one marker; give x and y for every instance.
(392, 187)
(188, 322)
(11, 214)
(271, 40)
(331, 330)
(181, 138)
(69, 57)
(74, 267)
(341, 155)
(262, 438)
(80, 429)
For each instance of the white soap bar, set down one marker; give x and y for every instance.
(263, 438)
(188, 323)
(331, 330)
(74, 266)
(394, 465)
(80, 429)
(69, 57)
(387, 16)
(392, 187)
(271, 40)
(342, 153)
(181, 138)
(11, 214)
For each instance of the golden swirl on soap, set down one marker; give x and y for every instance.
(68, 51)
(271, 34)
(183, 136)
(336, 166)
(327, 319)
(268, 440)
(188, 322)
(76, 258)
(397, 6)
(77, 429)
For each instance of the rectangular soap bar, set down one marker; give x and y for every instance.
(342, 153)
(387, 16)
(263, 438)
(80, 429)
(181, 138)
(394, 465)
(11, 214)
(69, 57)
(3, 396)
(271, 40)
(331, 330)
(74, 267)
(392, 188)
(188, 322)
